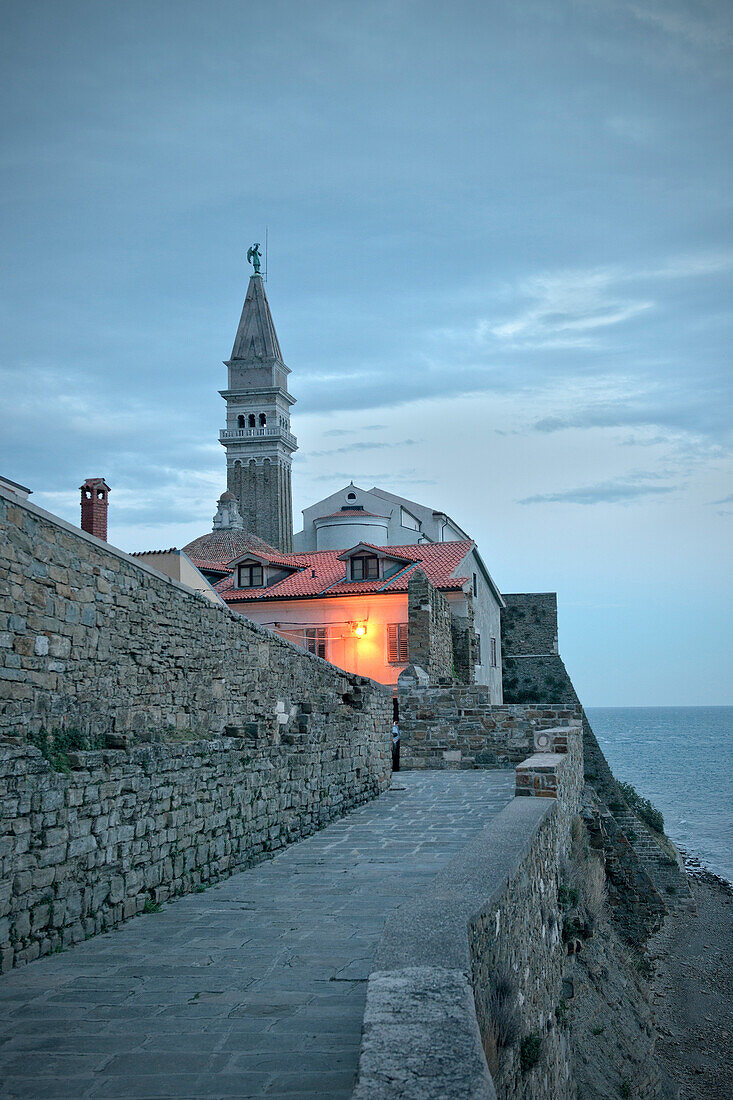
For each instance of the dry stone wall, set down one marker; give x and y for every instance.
(231, 741)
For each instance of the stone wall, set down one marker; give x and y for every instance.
(463, 637)
(429, 638)
(273, 741)
(644, 877)
(82, 851)
(468, 980)
(457, 727)
(94, 639)
(529, 623)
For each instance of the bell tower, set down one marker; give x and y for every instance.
(257, 438)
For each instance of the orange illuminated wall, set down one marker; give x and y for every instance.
(364, 654)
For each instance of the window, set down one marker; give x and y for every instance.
(408, 520)
(250, 576)
(240, 421)
(493, 652)
(397, 653)
(315, 640)
(351, 496)
(477, 650)
(364, 568)
(475, 585)
(251, 420)
(263, 420)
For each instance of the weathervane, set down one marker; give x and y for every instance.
(254, 256)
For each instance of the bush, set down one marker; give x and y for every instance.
(643, 808)
(529, 1052)
(55, 745)
(502, 1026)
(592, 890)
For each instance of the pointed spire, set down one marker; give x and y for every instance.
(256, 338)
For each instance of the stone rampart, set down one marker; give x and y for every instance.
(468, 979)
(273, 741)
(458, 727)
(529, 623)
(429, 638)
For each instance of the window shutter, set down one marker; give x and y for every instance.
(397, 652)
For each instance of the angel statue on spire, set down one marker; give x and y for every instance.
(254, 256)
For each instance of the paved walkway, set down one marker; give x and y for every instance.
(255, 987)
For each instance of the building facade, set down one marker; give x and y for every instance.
(257, 439)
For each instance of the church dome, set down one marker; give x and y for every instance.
(216, 549)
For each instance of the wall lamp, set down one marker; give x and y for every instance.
(359, 629)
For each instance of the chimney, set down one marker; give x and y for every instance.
(94, 507)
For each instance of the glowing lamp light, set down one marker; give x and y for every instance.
(359, 629)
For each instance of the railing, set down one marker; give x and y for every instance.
(227, 434)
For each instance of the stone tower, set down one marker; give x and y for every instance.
(257, 438)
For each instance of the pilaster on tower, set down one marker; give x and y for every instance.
(257, 438)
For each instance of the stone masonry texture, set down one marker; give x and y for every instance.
(429, 639)
(529, 623)
(269, 742)
(457, 727)
(255, 987)
(492, 913)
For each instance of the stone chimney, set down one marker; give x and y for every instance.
(94, 493)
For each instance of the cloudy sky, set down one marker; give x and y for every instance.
(500, 268)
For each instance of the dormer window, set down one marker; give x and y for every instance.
(364, 567)
(250, 576)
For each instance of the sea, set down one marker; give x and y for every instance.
(681, 758)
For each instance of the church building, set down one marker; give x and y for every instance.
(342, 586)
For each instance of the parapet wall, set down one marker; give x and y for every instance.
(233, 741)
(468, 979)
(458, 727)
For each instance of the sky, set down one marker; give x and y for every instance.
(500, 267)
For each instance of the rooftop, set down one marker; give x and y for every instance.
(323, 573)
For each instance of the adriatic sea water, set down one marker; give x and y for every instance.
(682, 759)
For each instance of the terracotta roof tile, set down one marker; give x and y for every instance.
(220, 547)
(439, 560)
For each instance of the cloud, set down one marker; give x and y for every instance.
(364, 446)
(705, 25)
(620, 491)
(568, 309)
(350, 431)
(391, 478)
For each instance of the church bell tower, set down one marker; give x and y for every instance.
(257, 439)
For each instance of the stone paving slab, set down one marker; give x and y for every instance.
(253, 988)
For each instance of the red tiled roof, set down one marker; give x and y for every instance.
(438, 560)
